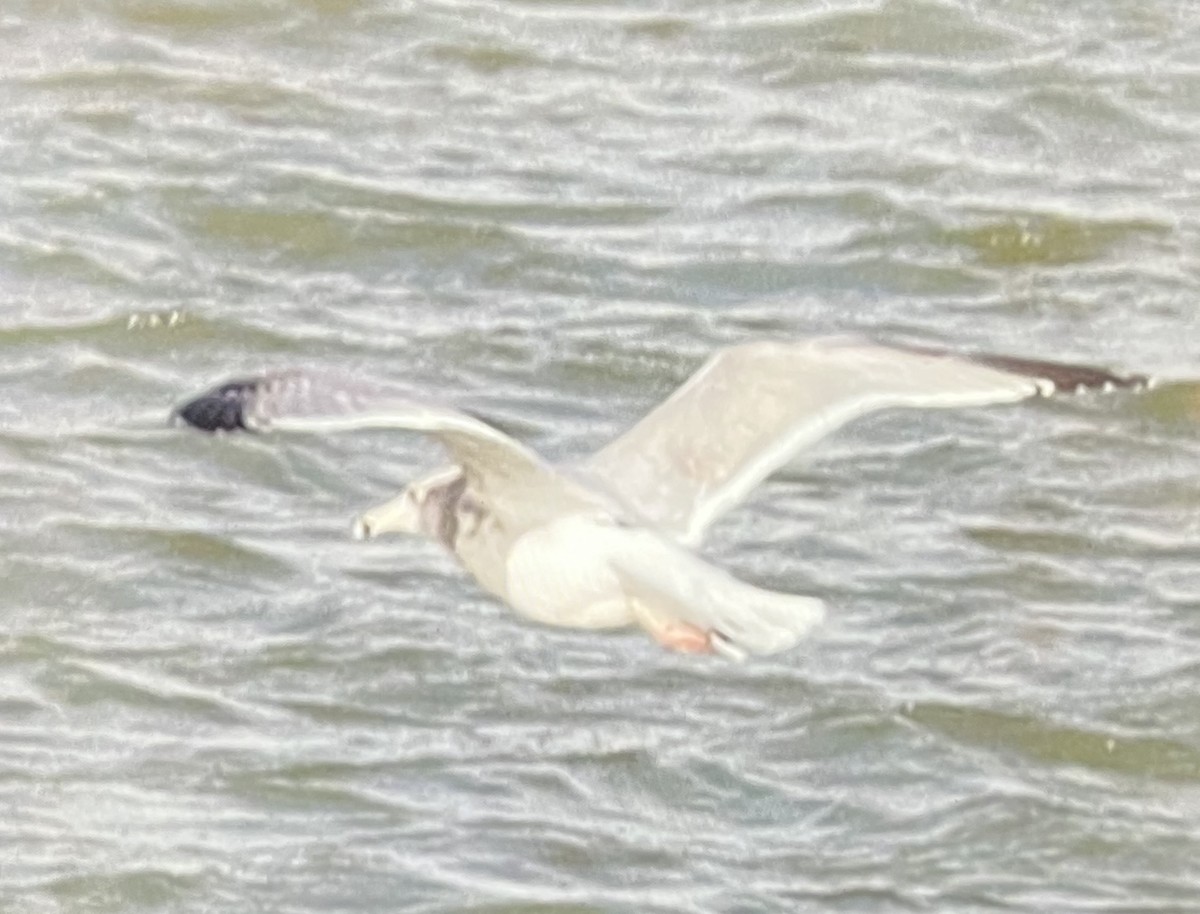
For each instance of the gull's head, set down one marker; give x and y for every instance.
(425, 507)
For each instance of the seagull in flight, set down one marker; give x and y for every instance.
(610, 541)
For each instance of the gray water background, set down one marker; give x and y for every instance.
(212, 700)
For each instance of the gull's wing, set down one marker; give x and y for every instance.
(312, 402)
(751, 407)
(665, 581)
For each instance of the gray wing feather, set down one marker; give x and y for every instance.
(752, 407)
(311, 402)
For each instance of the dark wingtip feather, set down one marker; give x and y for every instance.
(222, 409)
(1067, 378)
(1058, 377)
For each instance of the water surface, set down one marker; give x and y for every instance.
(212, 700)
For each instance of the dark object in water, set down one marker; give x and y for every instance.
(222, 409)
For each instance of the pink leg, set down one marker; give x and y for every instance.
(672, 633)
(684, 637)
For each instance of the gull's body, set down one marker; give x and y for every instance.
(608, 542)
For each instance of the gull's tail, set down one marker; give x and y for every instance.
(672, 583)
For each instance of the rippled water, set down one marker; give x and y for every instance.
(212, 700)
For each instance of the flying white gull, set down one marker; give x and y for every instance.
(609, 541)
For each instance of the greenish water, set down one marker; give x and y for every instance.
(211, 699)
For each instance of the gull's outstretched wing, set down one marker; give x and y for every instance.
(312, 402)
(752, 407)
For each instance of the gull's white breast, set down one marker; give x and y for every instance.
(559, 574)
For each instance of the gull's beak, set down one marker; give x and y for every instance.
(400, 515)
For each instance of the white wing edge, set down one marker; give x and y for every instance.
(413, 417)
